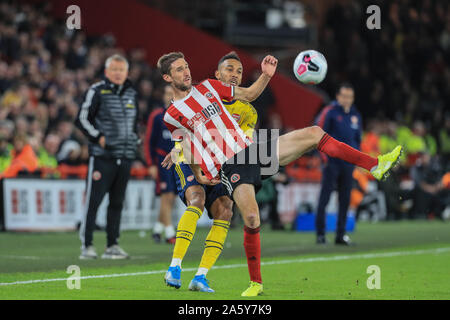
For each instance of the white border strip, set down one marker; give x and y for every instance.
(242, 265)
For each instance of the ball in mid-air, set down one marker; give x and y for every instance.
(310, 67)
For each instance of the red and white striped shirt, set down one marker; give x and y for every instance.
(201, 116)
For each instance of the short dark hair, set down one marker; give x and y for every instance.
(165, 61)
(346, 85)
(229, 55)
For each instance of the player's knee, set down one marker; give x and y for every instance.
(252, 220)
(316, 133)
(198, 202)
(197, 199)
(225, 213)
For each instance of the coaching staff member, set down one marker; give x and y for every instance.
(108, 118)
(342, 121)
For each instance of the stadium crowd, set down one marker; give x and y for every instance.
(400, 73)
(45, 69)
(401, 76)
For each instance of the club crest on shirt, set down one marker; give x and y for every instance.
(209, 95)
(235, 178)
(163, 185)
(190, 178)
(354, 120)
(96, 175)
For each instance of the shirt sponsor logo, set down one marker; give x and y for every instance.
(205, 115)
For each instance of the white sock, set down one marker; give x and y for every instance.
(202, 271)
(158, 228)
(176, 262)
(169, 231)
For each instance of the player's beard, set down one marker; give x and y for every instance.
(182, 87)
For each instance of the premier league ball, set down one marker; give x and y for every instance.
(310, 67)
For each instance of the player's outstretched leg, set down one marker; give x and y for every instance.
(195, 196)
(244, 197)
(221, 211)
(294, 144)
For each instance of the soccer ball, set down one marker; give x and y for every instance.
(310, 67)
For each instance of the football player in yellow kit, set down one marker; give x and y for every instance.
(213, 198)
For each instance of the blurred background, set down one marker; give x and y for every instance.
(400, 74)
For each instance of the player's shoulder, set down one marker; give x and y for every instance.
(170, 110)
(244, 105)
(214, 83)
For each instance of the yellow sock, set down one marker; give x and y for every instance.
(214, 243)
(185, 231)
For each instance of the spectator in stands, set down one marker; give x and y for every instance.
(388, 137)
(429, 190)
(364, 200)
(69, 151)
(23, 157)
(7, 129)
(370, 143)
(444, 142)
(47, 153)
(5, 153)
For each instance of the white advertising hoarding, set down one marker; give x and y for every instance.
(45, 205)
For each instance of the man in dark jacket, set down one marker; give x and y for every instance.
(343, 122)
(108, 117)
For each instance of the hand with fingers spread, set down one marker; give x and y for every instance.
(269, 65)
(170, 158)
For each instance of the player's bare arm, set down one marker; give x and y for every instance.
(268, 68)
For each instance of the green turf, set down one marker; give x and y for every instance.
(418, 275)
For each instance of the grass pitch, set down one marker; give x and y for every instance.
(413, 257)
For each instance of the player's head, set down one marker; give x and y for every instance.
(345, 95)
(168, 95)
(229, 69)
(116, 69)
(175, 70)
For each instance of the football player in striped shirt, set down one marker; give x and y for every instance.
(218, 151)
(213, 198)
